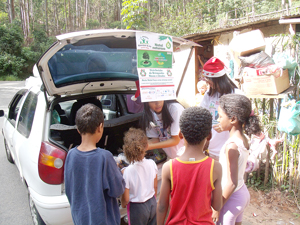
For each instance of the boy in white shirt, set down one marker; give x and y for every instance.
(141, 180)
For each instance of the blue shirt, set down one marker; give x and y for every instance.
(93, 182)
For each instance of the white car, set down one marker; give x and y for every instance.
(96, 66)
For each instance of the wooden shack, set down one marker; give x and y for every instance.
(216, 42)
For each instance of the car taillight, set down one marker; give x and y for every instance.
(51, 163)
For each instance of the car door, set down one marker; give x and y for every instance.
(23, 128)
(11, 122)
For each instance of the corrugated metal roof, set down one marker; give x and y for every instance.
(240, 25)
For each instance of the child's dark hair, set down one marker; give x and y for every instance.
(195, 124)
(239, 106)
(135, 144)
(88, 118)
(222, 85)
(147, 116)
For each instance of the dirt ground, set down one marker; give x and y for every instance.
(271, 208)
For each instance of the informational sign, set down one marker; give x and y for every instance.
(154, 64)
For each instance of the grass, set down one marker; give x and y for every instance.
(9, 78)
(14, 78)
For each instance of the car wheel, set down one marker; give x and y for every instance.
(8, 154)
(36, 218)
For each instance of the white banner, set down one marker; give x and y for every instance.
(154, 64)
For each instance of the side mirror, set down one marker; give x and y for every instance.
(1, 113)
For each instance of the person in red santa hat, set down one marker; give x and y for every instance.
(215, 75)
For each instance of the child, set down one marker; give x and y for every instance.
(160, 120)
(92, 178)
(235, 116)
(219, 84)
(193, 179)
(141, 180)
(202, 88)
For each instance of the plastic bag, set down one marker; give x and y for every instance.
(289, 118)
(257, 147)
(286, 62)
(55, 118)
(257, 60)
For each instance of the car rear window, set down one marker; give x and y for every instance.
(94, 59)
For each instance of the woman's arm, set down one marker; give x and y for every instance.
(153, 140)
(173, 141)
(125, 198)
(163, 202)
(155, 185)
(232, 155)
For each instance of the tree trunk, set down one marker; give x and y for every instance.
(56, 25)
(253, 10)
(76, 15)
(208, 9)
(46, 17)
(85, 13)
(27, 18)
(23, 19)
(66, 17)
(70, 16)
(11, 10)
(159, 7)
(291, 165)
(31, 15)
(149, 10)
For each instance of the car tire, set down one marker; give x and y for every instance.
(36, 218)
(8, 153)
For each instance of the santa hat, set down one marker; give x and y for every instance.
(214, 67)
(137, 93)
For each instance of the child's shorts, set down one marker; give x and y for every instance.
(142, 213)
(232, 211)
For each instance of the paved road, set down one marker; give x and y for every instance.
(14, 207)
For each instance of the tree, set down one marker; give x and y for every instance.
(133, 13)
(11, 10)
(11, 40)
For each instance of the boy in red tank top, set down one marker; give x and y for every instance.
(193, 180)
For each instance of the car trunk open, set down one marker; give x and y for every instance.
(112, 139)
(93, 63)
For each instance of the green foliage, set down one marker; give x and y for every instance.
(11, 39)
(169, 24)
(92, 23)
(41, 42)
(9, 78)
(3, 6)
(15, 59)
(3, 18)
(262, 7)
(133, 13)
(115, 24)
(11, 64)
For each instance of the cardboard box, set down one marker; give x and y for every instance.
(248, 43)
(266, 84)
